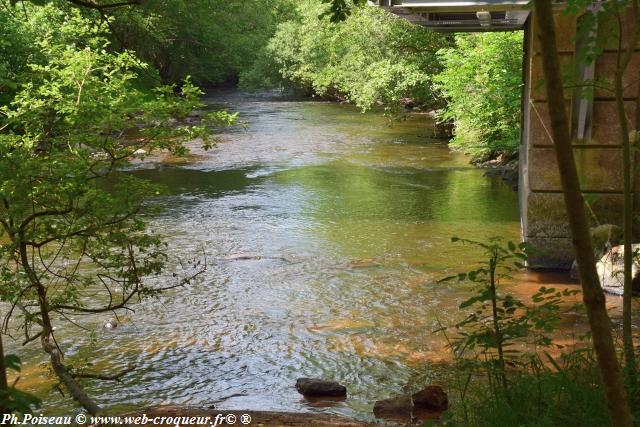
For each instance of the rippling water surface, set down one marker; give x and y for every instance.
(343, 224)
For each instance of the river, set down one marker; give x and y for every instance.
(325, 231)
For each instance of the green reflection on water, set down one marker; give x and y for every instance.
(364, 211)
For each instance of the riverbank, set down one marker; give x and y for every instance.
(206, 417)
(504, 166)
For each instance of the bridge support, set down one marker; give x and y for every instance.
(597, 146)
(595, 125)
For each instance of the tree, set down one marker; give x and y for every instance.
(212, 41)
(592, 292)
(481, 81)
(90, 4)
(73, 240)
(371, 58)
(339, 10)
(616, 11)
(615, 25)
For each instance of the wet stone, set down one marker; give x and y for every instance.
(399, 407)
(432, 397)
(319, 387)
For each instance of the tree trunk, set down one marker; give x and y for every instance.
(628, 210)
(593, 295)
(48, 343)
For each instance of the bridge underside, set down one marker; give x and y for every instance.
(597, 143)
(458, 16)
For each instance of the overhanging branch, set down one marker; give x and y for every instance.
(93, 5)
(114, 377)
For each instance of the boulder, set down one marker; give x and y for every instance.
(432, 397)
(319, 387)
(611, 271)
(399, 407)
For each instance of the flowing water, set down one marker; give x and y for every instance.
(325, 231)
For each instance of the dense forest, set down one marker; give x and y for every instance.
(377, 60)
(372, 59)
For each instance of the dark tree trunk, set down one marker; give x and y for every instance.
(48, 343)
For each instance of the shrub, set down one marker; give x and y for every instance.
(482, 81)
(372, 58)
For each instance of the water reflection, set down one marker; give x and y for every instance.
(348, 222)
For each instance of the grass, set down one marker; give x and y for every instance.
(566, 392)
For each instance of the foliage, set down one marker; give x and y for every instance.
(16, 400)
(370, 58)
(481, 82)
(71, 236)
(544, 392)
(212, 41)
(339, 10)
(496, 372)
(14, 49)
(499, 321)
(599, 321)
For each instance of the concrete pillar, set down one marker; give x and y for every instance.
(598, 158)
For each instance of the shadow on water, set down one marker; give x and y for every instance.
(193, 182)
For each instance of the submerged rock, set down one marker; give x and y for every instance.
(359, 263)
(443, 130)
(252, 256)
(432, 397)
(318, 387)
(242, 257)
(110, 324)
(399, 407)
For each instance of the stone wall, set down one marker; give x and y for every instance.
(598, 159)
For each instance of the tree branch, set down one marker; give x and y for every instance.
(28, 339)
(93, 5)
(48, 212)
(593, 296)
(114, 377)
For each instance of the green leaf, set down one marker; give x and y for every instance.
(11, 361)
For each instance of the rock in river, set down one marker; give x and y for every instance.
(320, 387)
(399, 407)
(111, 324)
(432, 397)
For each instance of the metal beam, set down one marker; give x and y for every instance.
(460, 15)
(418, 6)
